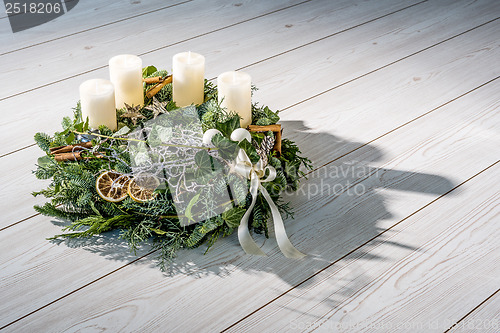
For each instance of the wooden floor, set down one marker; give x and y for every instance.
(397, 102)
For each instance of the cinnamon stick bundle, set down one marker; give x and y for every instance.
(74, 156)
(161, 82)
(69, 148)
(73, 152)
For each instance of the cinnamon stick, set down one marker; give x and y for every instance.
(74, 156)
(151, 80)
(273, 128)
(69, 148)
(153, 91)
(71, 156)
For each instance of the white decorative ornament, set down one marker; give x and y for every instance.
(209, 134)
(240, 134)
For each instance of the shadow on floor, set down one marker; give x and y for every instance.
(340, 213)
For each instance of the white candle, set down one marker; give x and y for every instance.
(188, 71)
(125, 72)
(97, 100)
(235, 94)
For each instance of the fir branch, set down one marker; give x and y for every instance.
(43, 141)
(96, 224)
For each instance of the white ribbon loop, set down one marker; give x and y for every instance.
(284, 243)
(255, 172)
(246, 240)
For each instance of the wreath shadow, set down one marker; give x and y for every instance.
(340, 214)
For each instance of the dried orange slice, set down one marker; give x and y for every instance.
(141, 188)
(112, 186)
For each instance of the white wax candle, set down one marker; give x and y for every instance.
(235, 94)
(97, 100)
(125, 72)
(188, 71)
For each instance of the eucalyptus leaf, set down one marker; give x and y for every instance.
(147, 71)
(70, 138)
(189, 207)
(44, 161)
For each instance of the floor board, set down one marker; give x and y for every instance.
(485, 318)
(420, 278)
(341, 223)
(92, 49)
(394, 101)
(433, 83)
(42, 117)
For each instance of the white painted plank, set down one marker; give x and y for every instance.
(90, 50)
(352, 54)
(327, 227)
(27, 272)
(441, 80)
(329, 17)
(86, 15)
(422, 277)
(485, 318)
(221, 265)
(395, 95)
(44, 115)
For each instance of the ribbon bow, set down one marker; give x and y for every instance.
(256, 173)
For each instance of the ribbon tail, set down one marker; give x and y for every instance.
(246, 240)
(284, 243)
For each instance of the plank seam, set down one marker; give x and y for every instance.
(77, 289)
(391, 63)
(25, 219)
(266, 59)
(97, 27)
(473, 310)
(154, 50)
(16, 150)
(358, 248)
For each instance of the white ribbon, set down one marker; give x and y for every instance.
(255, 172)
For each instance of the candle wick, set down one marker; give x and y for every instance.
(189, 57)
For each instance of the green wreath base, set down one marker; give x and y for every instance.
(73, 196)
